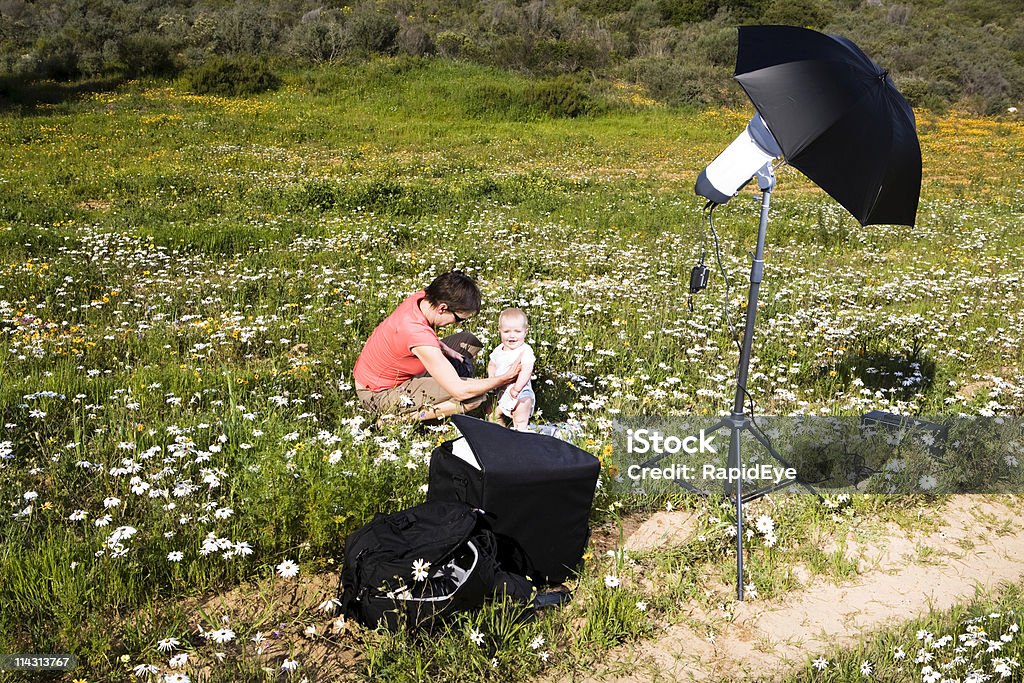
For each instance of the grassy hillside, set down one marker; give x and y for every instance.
(968, 53)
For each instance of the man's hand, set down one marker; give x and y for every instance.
(513, 392)
(451, 353)
(512, 373)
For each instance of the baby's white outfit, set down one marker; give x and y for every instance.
(503, 360)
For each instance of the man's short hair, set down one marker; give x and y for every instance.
(456, 289)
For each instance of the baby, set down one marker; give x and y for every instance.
(518, 400)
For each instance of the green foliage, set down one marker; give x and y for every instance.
(231, 77)
(547, 55)
(746, 11)
(370, 30)
(147, 54)
(318, 39)
(415, 40)
(680, 12)
(56, 58)
(807, 13)
(968, 53)
(562, 97)
(250, 28)
(677, 82)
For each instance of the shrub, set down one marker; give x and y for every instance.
(147, 54)
(246, 28)
(920, 93)
(372, 31)
(712, 44)
(414, 40)
(562, 97)
(321, 38)
(231, 77)
(497, 99)
(680, 12)
(677, 83)
(452, 44)
(807, 13)
(547, 55)
(745, 11)
(57, 59)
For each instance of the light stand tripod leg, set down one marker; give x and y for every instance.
(682, 483)
(735, 462)
(763, 440)
(739, 421)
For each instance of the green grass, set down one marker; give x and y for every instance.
(163, 256)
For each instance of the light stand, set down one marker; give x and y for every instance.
(749, 156)
(738, 421)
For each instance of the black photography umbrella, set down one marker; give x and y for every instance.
(837, 117)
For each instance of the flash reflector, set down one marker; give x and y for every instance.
(752, 150)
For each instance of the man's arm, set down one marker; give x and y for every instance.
(461, 389)
(523, 377)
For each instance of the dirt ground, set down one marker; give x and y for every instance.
(978, 544)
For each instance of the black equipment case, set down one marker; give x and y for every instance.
(536, 492)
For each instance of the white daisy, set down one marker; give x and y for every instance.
(287, 569)
(420, 570)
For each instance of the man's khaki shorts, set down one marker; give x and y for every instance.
(417, 393)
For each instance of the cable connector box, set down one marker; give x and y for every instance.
(699, 278)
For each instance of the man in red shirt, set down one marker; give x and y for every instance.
(404, 368)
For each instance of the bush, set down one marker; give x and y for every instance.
(414, 40)
(806, 13)
(547, 55)
(246, 28)
(921, 93)
(147, 54)
(745, 11)
(321, 38)
(562, 97)
(372, 31)
(56, 59)
(230, 77)
(677, 83)
(497, 99)
(678, 12)
(453, 44)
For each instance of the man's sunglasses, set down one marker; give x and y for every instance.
(458, 318)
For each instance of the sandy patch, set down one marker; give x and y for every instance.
(283, 610)
(663, 529)
(978, 543)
